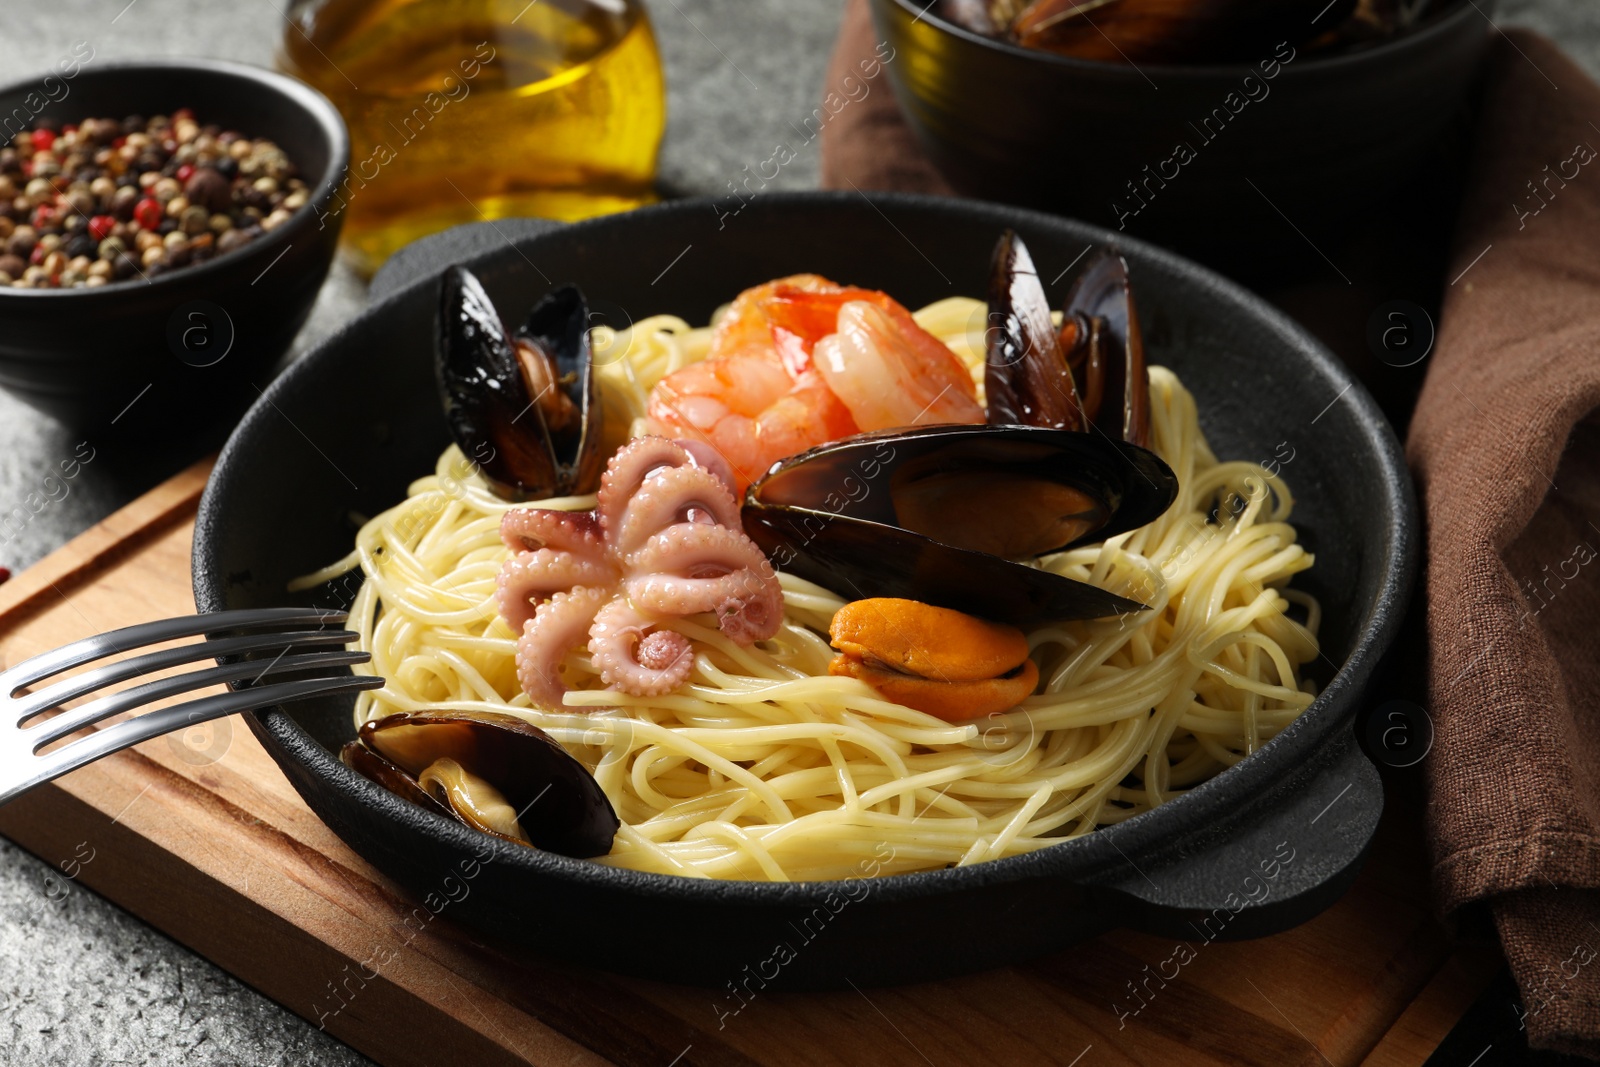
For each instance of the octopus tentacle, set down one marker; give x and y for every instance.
(686, 550)
(667, 498)
(530, 529)
(706, 456)
(755, 614)
(627, 471)
(688, 569)
(749, 608)
(529, 578)
(555, 628)
(631, 658)
(668, 594)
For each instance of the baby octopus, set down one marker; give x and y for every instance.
(664, 540)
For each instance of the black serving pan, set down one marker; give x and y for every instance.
(345, 429)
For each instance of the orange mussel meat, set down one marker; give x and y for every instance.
(942, 662)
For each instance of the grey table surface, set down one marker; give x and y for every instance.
(83, 982)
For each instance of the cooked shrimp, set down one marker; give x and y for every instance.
(890, 372)
(746, 327)
(758, 396)
(750, 410)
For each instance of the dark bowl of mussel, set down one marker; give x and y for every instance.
(164, 229)
(1216, 127)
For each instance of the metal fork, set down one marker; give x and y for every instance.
(24, 731)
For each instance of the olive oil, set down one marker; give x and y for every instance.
(464, 110)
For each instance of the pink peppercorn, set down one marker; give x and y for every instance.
(148, 213)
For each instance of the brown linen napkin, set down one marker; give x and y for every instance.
(867, 145)
(1505, 444)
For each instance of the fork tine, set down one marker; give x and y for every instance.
(66, 657)
(114, 704)
(72, 688)
(165, 720)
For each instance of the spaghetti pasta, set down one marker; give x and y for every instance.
(763, 766)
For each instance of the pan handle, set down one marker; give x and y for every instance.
(1279, 862)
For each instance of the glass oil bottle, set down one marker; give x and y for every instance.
(465, 110)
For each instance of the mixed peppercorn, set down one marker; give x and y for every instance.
(108, 200)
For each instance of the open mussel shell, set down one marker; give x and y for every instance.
(525, 409)
(940, 514)
(1026, 378)
(538, 793)
(1168, 31)
(373, 767)
(1117, 396)
(1088, 375)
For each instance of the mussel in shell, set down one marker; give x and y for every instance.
(1152, 31)
(1026, 378)
(943, 514)
(491, 771)
(373, 767)
(1090, 374)
(1106, 350)
(524, 407)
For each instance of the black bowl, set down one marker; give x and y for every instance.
(186, 344)
(1315, 146)
(347, 427)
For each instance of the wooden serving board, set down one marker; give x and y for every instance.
(205, 839)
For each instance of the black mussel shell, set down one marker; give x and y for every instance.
(861, 560)
(374, 767)
(1118, 403)
(1026, 379)
(940, 513)
(560, 806)
(524, 409)
(1088, 375)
